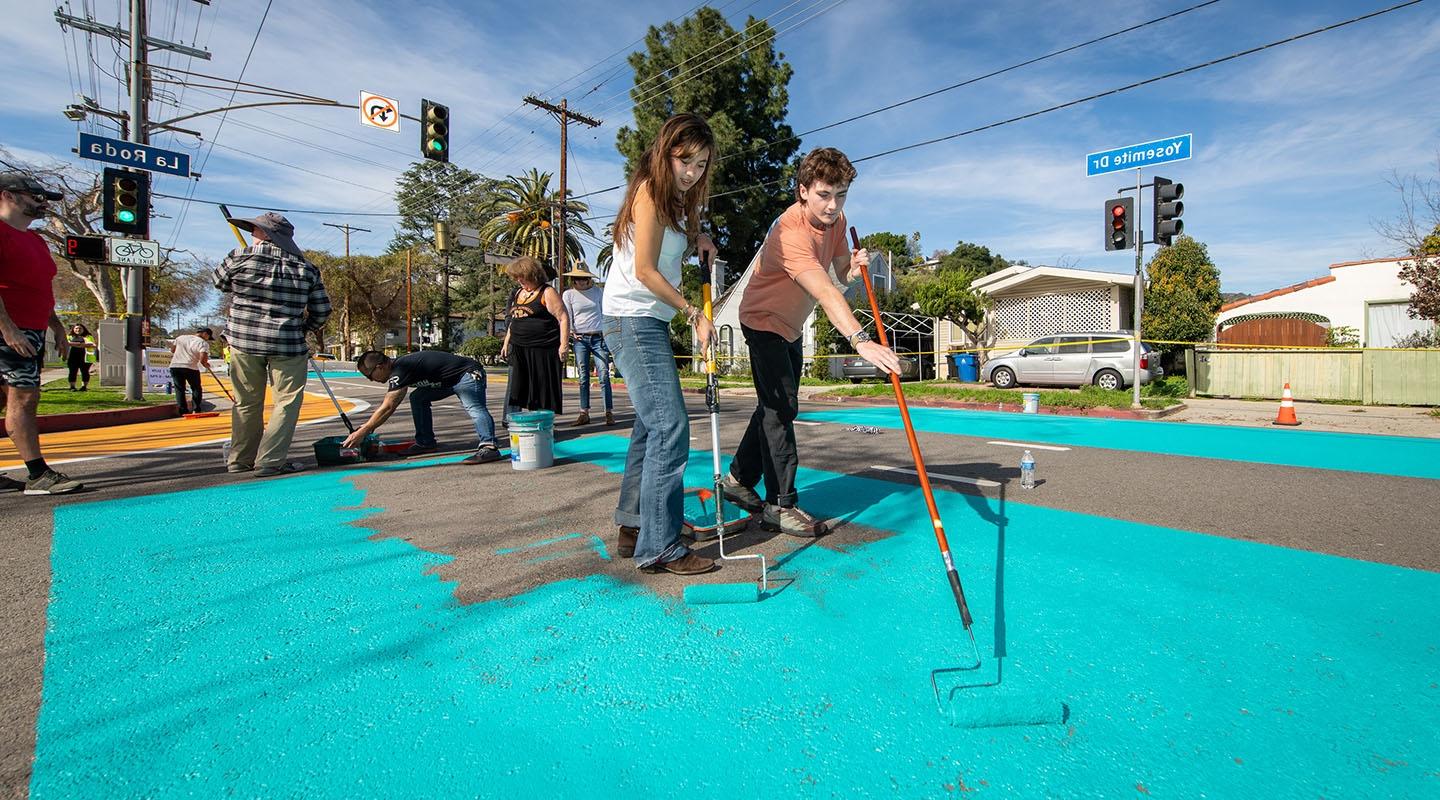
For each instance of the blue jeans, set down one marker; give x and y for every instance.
(652, 492)
(586, 346)
(471, 391)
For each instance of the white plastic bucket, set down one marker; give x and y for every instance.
(1032, 403)
(532, 440)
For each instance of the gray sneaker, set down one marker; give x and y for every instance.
(51, 482)
(741, 495)
(484, 454)
(792, 521)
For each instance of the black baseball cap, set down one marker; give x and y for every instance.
(20, 183)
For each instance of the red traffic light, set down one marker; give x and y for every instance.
(1118, 211)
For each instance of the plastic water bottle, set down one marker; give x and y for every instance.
(1027, 471)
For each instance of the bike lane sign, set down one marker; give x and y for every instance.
(132, 252)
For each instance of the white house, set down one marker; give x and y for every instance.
(1368, 296)
(1030, 302)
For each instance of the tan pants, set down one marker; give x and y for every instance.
(248, 372)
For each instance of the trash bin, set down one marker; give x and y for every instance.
(967, 369)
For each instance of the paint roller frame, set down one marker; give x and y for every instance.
(711, 593)
(1014, 711)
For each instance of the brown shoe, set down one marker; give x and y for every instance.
(583, 419)
(625, 541)
(688, 564)
(609, 418)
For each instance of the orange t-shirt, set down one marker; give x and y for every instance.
(773, 300)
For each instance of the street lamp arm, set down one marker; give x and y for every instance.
(326, 103)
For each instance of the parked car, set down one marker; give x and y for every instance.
(858, 369)
(1075, 359)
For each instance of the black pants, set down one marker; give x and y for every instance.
(183, 377)
(82, 369)
(768, 447)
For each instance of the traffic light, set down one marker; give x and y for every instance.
(1168, 208)
(434, 131)
(85, 248)
(126, 205)
(1119, 223)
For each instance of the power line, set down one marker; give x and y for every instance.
(180, 222)
(318, 212)
(974, 80)
(967, 82)
(1098, 95)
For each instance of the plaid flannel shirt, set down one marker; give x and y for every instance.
(276, 299)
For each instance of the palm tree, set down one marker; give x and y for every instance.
(606, 256)
(522, 209)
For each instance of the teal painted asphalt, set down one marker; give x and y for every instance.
(1383, 455)
(271, 648)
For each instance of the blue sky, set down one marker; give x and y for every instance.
(1293, 146)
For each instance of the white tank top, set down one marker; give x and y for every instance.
(625, 296)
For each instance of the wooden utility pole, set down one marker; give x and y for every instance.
(349, 276)
(562, 113)
(409, 314)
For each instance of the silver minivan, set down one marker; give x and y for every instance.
(1075, 359)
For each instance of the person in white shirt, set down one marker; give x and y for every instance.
(583, 302)
(190, 352)
(657, 223)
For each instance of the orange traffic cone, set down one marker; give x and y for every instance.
(1287, 408)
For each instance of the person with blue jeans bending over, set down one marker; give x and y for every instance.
(429, 376)
(583, 302)
(658, 220)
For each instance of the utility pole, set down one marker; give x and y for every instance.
(136, 278)
(349, 277)
(409, 314)
(562, 113)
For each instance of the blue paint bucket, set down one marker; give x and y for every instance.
(532, 439)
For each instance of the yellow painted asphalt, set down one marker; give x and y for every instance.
(145, 436)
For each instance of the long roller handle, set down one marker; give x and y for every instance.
(940, 539)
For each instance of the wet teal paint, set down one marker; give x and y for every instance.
(334, 374)
(1383, 455)
(273, 649)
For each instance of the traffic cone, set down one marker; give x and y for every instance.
(1287, 408)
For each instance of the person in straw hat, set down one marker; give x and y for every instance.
(583, 302)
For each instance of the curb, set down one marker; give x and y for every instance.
(1014, 408)
(55, 423)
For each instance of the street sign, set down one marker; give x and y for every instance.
(133, 252)
(1145, 154)
(467, 237)
(129, 154)
(379, 112)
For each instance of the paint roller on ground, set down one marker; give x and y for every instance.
(989, 710)
(708, 593)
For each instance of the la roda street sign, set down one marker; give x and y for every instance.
(129, 154)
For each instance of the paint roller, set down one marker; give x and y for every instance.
(712, 593)
(991, 711)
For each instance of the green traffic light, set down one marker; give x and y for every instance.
(437, 145)
(126, 216)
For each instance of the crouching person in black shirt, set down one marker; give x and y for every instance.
(431, 375)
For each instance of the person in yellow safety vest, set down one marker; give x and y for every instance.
(82, 355)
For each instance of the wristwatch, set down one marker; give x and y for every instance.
(857, 337)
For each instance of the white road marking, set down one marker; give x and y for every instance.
(941, 475)
(1030, 446)
(812, 424)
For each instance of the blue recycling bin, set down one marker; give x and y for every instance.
(967, 368)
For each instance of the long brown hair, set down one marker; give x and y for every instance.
(682, 135)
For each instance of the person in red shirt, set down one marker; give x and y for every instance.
(27, 307)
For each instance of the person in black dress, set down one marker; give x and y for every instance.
(536, 339)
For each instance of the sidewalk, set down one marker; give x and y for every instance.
(78, 445)
(1385, 420)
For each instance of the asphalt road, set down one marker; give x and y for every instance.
(484, 515)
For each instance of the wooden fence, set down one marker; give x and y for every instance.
(1370, 377)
